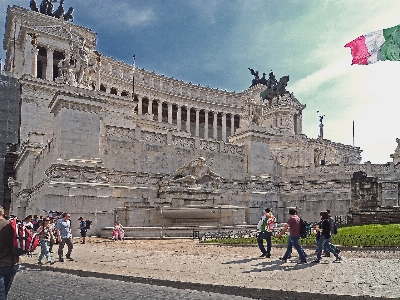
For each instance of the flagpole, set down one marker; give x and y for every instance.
(353, 133)
(133, 76)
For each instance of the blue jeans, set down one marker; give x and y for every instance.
(326, 250)
(293, 241)
(6, 278)
(326, 244)
(45, 250)
(260, 239)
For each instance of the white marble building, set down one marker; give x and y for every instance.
(94, 144)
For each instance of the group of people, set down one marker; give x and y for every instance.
(324, 234)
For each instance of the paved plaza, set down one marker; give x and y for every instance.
(234, 270)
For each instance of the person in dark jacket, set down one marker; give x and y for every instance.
(325, 238)
(8, 262)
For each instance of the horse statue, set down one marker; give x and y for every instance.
(256, 78)
(68, 16)
(33, 6)
(59, 12)
(279, 90)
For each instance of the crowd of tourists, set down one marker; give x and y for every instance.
(56, 229)
(324, 232)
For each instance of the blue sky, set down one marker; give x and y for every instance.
(212, 43)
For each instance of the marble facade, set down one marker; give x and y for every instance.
(93, 143)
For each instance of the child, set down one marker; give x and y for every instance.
(118, 232)
(45, 234)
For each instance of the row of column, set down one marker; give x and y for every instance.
(188, 123)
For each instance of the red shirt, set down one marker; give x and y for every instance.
(294, 223)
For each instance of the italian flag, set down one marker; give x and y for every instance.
(375, 46)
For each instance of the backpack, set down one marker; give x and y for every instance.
(334, 228)
(25, 240)
(304, 229)
(88, 223)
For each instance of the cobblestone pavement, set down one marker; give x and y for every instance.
(234, 270)
(43, 285)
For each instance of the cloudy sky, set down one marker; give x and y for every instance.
(213, 42)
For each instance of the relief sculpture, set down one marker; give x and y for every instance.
(196, 172)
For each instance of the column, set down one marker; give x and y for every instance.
(159, 111)
(206, 124)
(232, 124)
(197, 131)
(35, 52)
(224, 127)
(188, 119)
(150, 107)
(169, 113)
(215, 128)
(178, 118)
(140, 112)
(98, 76)
(49, 67)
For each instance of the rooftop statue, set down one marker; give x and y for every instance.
(43, 7)
(257, 80)
(68, 16)
(275, 88)
(196, 172)
(59, 12)
(33, 6)
(256, 77)
(49, 8)
(46, 8)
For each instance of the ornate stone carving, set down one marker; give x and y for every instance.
(79, 65)
(196, 172)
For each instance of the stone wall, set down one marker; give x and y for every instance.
(9, 129)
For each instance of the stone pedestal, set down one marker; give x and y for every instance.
(257, 147)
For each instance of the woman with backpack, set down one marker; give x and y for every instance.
(45, 234)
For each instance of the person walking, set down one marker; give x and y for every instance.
(8, 262)
(83, 229)
(63, 228)
(265, 227)
(293, 224)
(45, 234)
(325, 238)
(332, 225)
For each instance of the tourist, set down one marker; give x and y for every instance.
(83, 229)
(331, 223)
(118, 232)
(28, 222)
(53, 230)
(324, 240)
(63, 228)
(293, 224)
(8, 263)
(265, 227)
(317, 237)
(45, 234)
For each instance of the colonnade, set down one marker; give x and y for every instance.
(199, 122)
